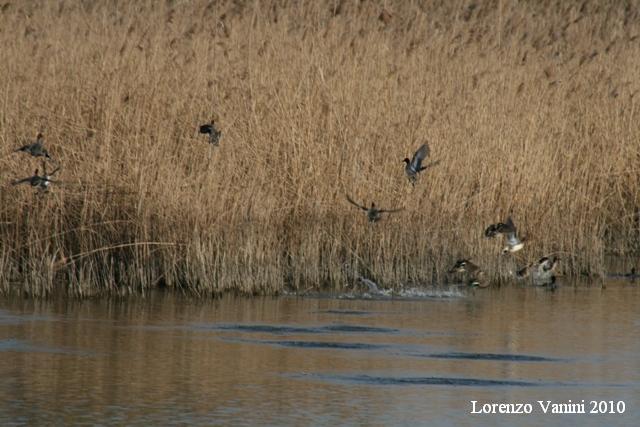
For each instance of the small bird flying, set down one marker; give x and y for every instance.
(374, 214)
(509, 231)
(211, 130)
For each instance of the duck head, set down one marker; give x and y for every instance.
(460, 266)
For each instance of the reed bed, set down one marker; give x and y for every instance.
(531, 107)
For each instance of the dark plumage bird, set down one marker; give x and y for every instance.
(541, 271)
(373, 213)
(474, 274)
(41, 182)
(414, 166)
(509, 231)
(36, 149)
(211, 130)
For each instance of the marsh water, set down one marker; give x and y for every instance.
(415, 359)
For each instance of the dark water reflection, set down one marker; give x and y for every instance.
(167, 360)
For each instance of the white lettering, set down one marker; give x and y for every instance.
(544, 407)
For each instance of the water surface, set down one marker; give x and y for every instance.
(167, 360)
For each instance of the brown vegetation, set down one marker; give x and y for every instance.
(530, 106)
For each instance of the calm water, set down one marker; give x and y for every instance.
(167, 360)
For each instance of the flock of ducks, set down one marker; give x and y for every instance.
(43, 182)
(540, 272)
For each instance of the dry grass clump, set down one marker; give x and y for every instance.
(529, 106)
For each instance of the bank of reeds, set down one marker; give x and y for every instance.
(529, 106)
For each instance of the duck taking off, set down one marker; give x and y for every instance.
(211, 130)
(36, 149)
(541, 271)
(475, 275)
(509, 231)
(373, 213)
(414, 166)
(41, 182)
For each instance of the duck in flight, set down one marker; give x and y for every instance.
(414, 166)
(374, 214)
(41, 182)
(509, 231)
(36, 149)
(211, 130)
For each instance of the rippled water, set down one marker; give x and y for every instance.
(343, 360)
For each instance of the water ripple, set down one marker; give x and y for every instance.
(286, 329)
(20, 346)
(491, 356)
(327, 345)
(412, 381)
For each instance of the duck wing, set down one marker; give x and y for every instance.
(206, 128)
(390, 210)
(509, 226)
(356, 204)
(493, 230)
(419, 156)
(21, 181)
(26, 147)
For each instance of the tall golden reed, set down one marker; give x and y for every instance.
(530, 107)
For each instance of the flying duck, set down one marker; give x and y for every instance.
(36, 149)
(414, 166)
(373, 213)
(214, 134)
(41, 182)
(508, 229)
